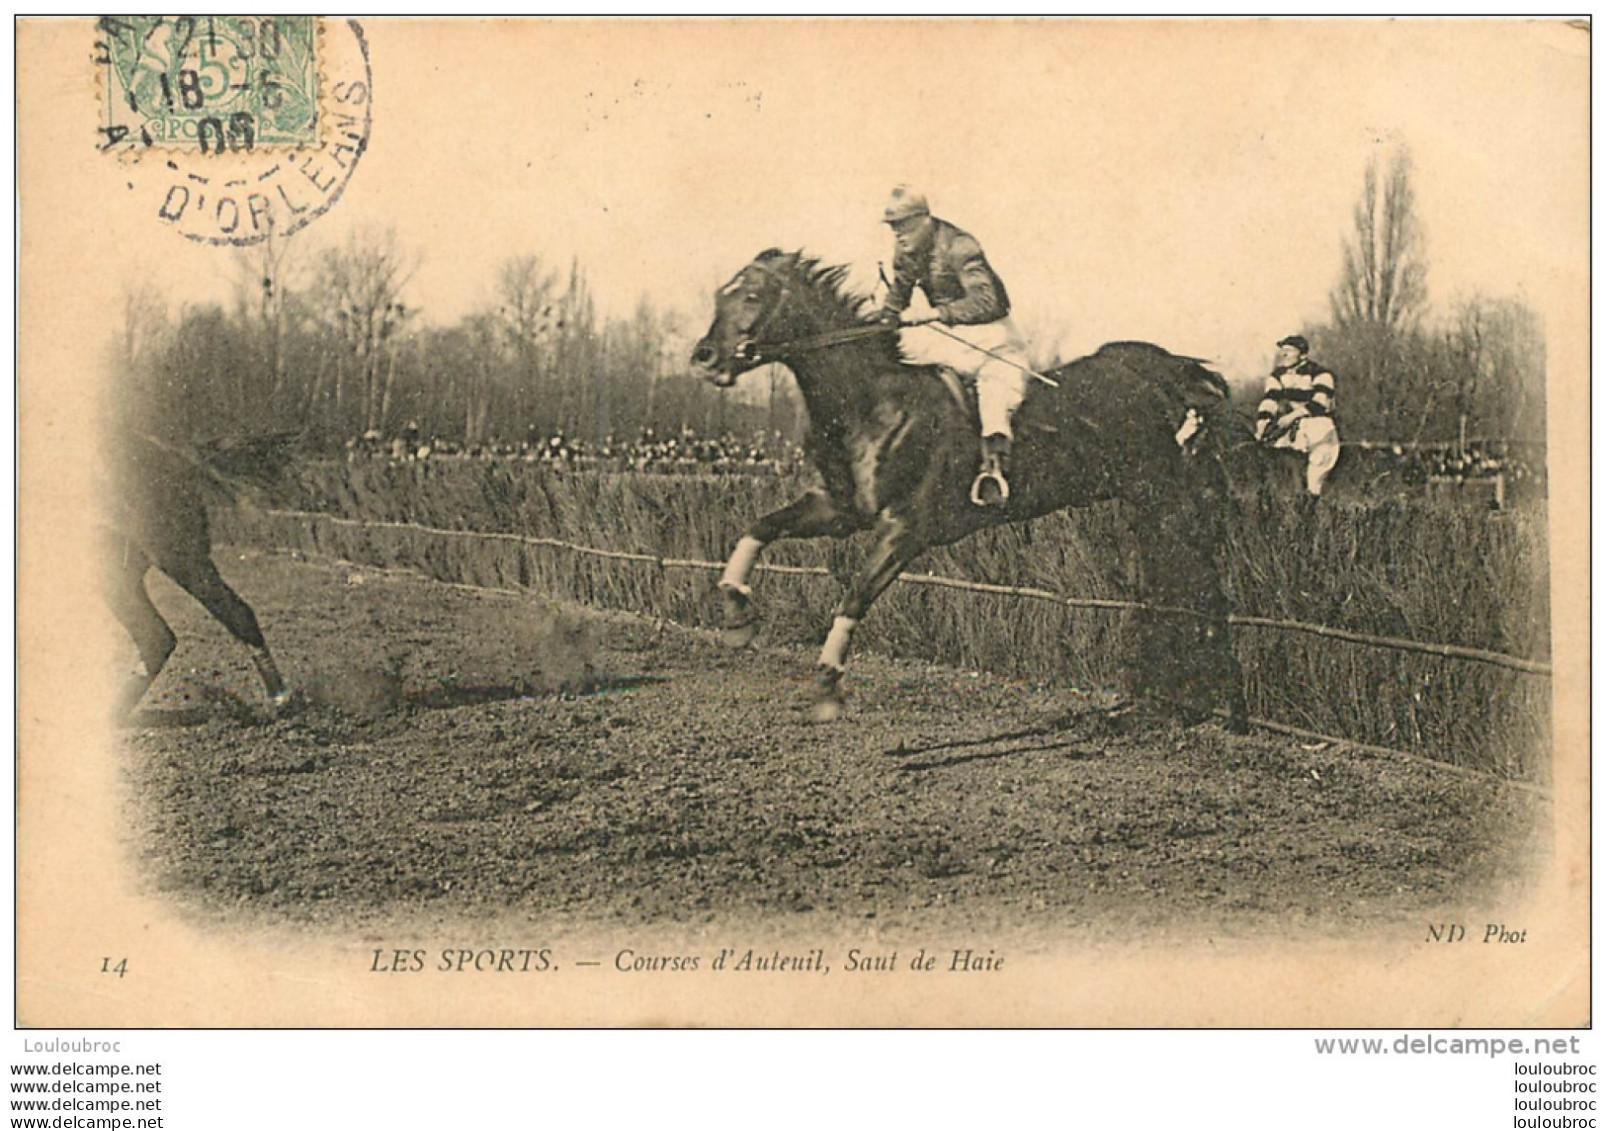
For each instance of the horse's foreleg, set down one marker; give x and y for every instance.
(811, 516)
(736, 596)
(899, 545)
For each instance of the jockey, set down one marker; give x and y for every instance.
(964, 324)
(1297, 411)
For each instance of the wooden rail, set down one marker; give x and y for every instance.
(1448, 651)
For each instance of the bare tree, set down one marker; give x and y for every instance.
(525, 294)
(1498, 351)
(527, 316)
(482, 332)
(359, 297)
(1383, 288)
(1389, 387)
(137, 396)
(264, 278)
(582, 393)
(145, 323)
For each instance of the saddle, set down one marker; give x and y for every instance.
(963, 392)
(991, 487)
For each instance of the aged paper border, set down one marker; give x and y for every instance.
(75, 901)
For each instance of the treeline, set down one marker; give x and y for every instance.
(1406, 373)
(1479, 376)
(331, 344)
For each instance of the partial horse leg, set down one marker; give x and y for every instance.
(131, 605)
(898, 546)
(1210, 494)
(1183, 653)
(812, 515)
(203, 582)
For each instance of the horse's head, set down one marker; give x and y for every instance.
(751, 311)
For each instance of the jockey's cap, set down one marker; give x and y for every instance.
(1297, 341)
(904, 203)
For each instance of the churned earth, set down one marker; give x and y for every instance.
(457, 753)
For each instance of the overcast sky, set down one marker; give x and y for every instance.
(1186, 183)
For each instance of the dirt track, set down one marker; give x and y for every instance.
(464, 754)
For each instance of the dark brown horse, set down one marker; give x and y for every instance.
(898, 449)
(159, 518)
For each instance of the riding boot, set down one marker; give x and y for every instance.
(991, 488)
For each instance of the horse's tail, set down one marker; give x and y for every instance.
(1200, 387)
(252, 461)
(221, 472)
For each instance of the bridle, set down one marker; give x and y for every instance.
(749, 347)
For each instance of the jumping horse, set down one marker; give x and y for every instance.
(158, 517)
(897, 448)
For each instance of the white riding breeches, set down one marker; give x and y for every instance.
(1000, 380)
(1317, 437)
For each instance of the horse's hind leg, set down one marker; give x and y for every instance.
(201, 580)
(131, 605)
(1183, 648)
(812, 515)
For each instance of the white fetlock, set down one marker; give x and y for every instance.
(834, 654)
(741, 564)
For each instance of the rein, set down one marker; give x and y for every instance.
(759, 350)
(751, 349)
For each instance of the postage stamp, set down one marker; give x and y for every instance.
(209, 83)
(641, 650)
(233, 129)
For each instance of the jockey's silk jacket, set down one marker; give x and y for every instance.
(1307, 386)
(959, 283)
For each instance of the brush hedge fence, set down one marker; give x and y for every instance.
(1422, 569)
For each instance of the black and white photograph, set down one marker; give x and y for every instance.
(794, 523)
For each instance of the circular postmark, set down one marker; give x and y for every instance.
(234, 128)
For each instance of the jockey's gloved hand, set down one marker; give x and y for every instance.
(919, 311)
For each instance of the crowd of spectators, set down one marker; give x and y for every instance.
(683, 452)
(1415, 464)
(770, 453)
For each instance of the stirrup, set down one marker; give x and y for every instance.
(991, 474)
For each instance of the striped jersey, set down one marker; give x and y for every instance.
(1306, 386)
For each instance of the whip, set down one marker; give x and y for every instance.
(941, 329)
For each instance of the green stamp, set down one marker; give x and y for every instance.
(213, 84)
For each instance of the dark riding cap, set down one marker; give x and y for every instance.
(904, 203)
(1297, 341)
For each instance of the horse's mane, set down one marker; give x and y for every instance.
(827, 284)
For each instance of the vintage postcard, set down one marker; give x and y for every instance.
(802, 522)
